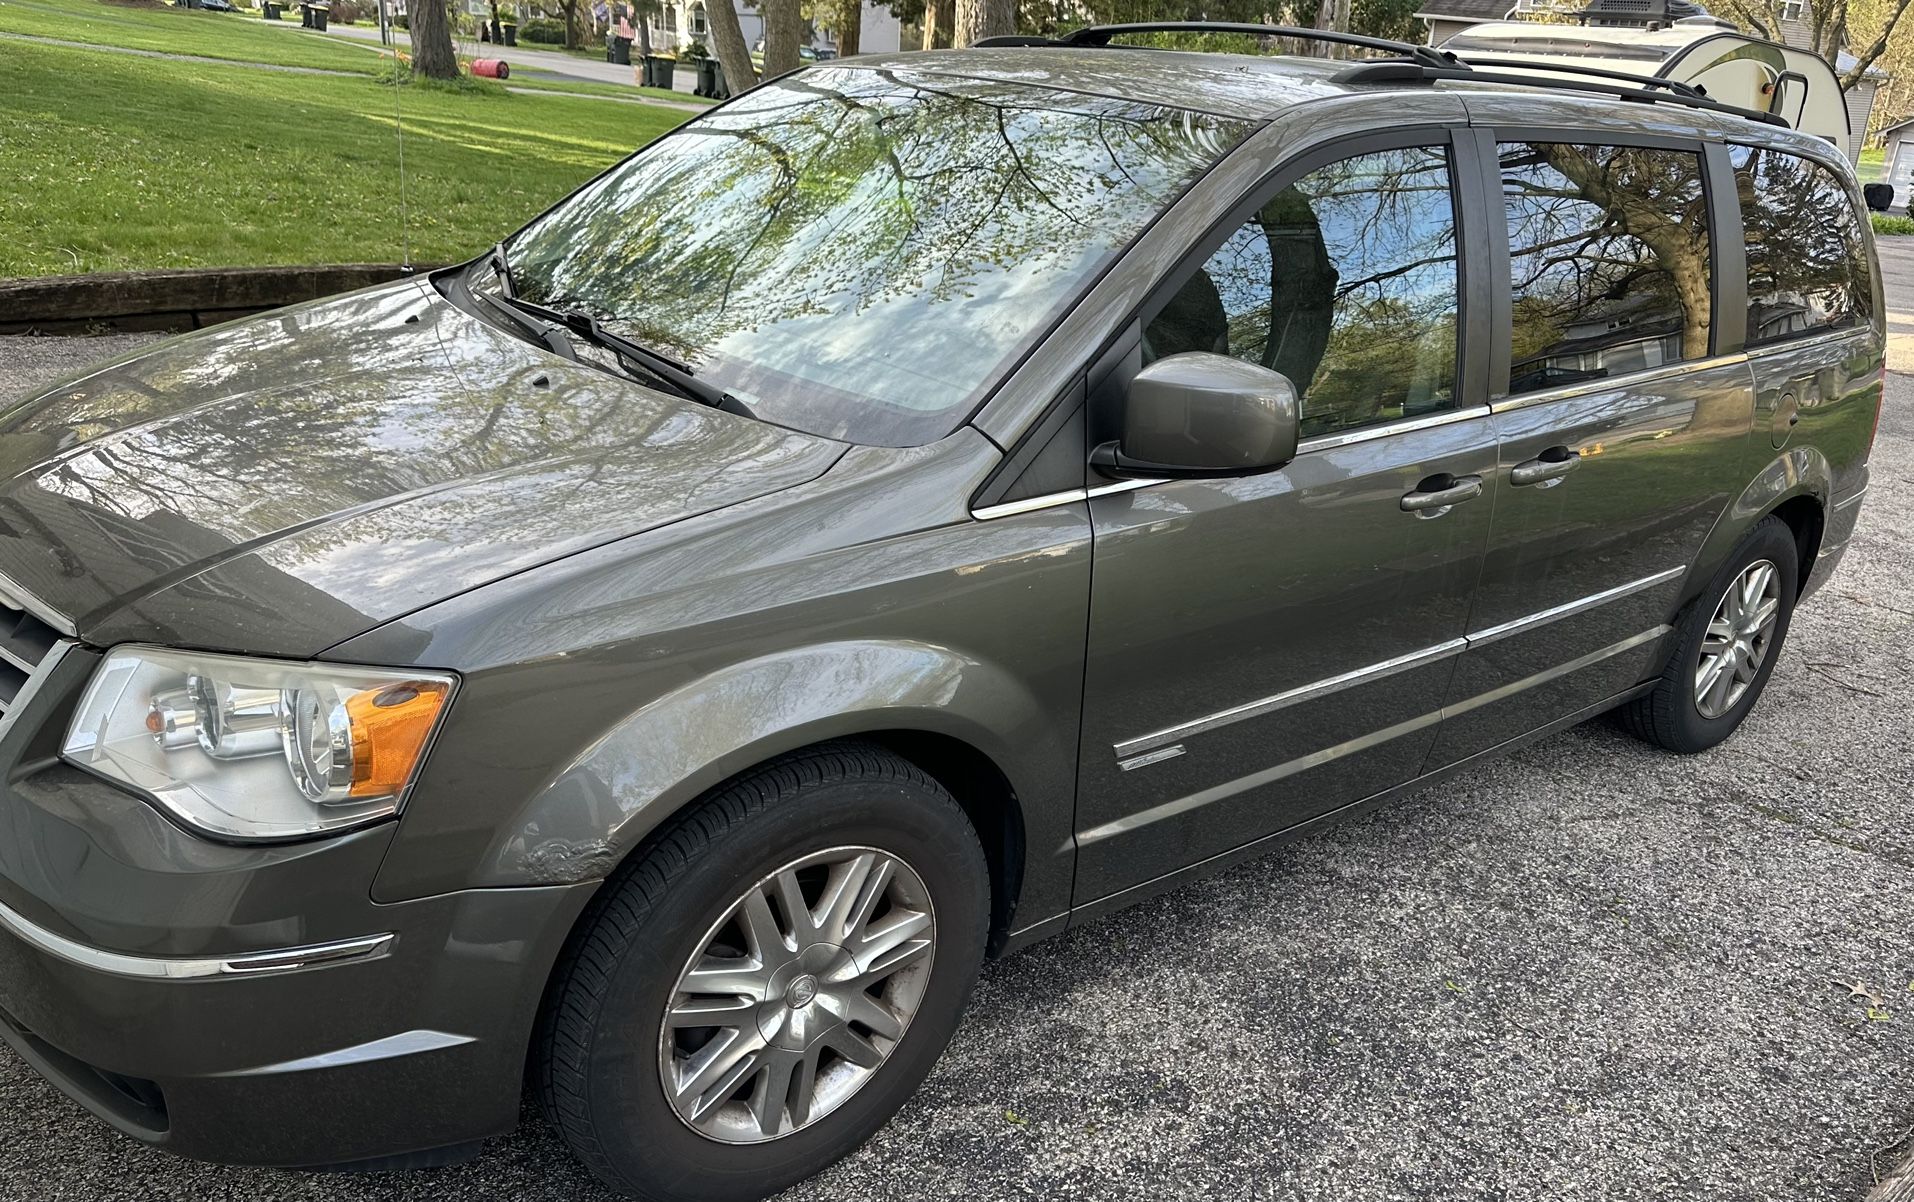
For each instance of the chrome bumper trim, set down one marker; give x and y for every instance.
(405, 1043)
(161, 968)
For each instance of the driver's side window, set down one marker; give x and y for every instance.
(1345, 282)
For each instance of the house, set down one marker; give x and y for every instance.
(1897, 140)
(1447, 18)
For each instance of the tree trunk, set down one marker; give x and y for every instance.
(940, 17)
(571, 25)
(432, 53)
(783, 30)
(643, 13)
(850, 26)
(980, 19)
(727, 38)
(1331, 16)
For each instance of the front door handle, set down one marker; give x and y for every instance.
(1551, 464)
(1440, 492)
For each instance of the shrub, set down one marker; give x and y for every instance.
(549, 30)
(1884, 224)
(347, 12)
(401, 21)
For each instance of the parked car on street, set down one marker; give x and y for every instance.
(919, 506)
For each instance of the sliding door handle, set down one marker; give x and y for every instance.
(1551, 464)
(1440, 492)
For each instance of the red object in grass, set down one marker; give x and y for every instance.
(492, 68)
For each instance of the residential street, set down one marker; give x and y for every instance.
(1590, 971)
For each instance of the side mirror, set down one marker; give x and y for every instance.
(1199, 414)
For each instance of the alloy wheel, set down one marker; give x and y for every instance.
(1737, 639)
(798, 995)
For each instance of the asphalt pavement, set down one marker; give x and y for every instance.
(1592, 970)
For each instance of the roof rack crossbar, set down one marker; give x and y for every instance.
(1101, 35)
(1645, 88)
(1676, 86)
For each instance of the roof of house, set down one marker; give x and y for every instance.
(1465, 10)
(1893, 126)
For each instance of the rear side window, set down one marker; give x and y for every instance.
(1807, 266)
(1345, 282)
(1609, 260)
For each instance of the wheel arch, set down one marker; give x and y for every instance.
(1795, 486)
(974, 728)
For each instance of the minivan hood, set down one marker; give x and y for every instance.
(286, 482)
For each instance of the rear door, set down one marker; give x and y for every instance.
(1265, 649)
(1622, 422)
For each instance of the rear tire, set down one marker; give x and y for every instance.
(1724, 656)
(711, 886)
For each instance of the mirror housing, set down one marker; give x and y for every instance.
(1199, 414)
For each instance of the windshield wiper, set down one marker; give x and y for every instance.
(501, 267)
(552, 337)
(663, 367)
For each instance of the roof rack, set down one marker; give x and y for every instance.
(1100, 35)
(1647, 88)
(1425, 64)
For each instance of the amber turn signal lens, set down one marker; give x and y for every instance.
(389, 728)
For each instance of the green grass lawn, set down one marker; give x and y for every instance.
(113, 162)
(238, 36)
(1872, 165)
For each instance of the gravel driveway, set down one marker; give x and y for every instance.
(1592, 970)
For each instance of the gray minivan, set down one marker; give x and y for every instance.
(920, 505)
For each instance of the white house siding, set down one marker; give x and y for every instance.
(1860, 99)
(1442, 29)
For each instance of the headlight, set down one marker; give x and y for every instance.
(257, 749)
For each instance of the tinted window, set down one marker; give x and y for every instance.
(1807, 266)
(1345, 283)
(1608, 254)
(862, 253)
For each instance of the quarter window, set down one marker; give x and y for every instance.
(1345, 282)
(1807, 265)
(1609, 261)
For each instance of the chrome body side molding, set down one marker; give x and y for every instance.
(1131, 751)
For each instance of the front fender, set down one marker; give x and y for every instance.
(678, 746)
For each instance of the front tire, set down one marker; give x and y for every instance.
(761, 988)
(1729, 641)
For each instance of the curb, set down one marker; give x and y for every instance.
(174, 300)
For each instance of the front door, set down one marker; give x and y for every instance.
(1265, 649)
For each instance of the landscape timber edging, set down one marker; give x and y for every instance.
(174, 299)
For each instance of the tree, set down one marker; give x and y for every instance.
(783, 32)
(727, 38)
(940, 20)
(432, 53)
(1827, 26)
(845, 19)
(570, 11)
(980, 19)
(641, 14)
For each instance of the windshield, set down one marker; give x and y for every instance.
(862, 254)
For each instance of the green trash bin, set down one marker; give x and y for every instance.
(319, 13)
(720, 90)
(510, 30)
(707, 78)
(269, 10)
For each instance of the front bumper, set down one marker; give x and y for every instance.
(170, 985)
